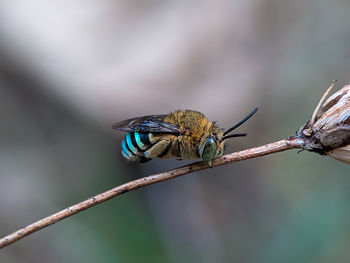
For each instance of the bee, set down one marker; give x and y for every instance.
(183, 134)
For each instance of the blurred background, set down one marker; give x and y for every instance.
(69, 69)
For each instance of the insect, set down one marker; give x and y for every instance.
(183, 134)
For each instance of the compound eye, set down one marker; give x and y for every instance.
(209, 150)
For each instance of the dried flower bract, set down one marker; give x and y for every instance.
(328, 131)
(341, 154)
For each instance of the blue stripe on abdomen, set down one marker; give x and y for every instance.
(128, 154)
(126, 150)
(135, 144)
(130, 145)
(125, 155)
(139, 141)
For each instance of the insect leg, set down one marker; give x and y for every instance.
(159, 149)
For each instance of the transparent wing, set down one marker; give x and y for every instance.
(144, 124)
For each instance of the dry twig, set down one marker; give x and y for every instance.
(282, 145)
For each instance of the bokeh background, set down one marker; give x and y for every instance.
(69, 69)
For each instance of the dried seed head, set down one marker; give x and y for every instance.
(328, 131)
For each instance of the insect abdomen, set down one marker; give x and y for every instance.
(135, 144)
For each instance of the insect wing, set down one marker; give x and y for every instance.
(144, 124)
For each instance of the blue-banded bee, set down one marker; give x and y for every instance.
(183, 134)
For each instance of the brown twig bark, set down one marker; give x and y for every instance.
(282, 145)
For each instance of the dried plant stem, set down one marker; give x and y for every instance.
(278, 146)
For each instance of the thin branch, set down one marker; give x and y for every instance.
(282, 145)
